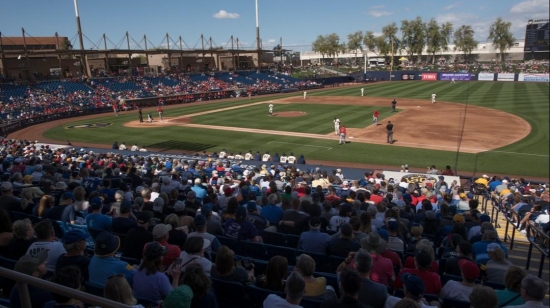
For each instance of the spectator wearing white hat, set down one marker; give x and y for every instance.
(8, 201)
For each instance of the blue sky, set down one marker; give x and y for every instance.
(297, 21)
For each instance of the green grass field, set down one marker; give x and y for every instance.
(528, 157)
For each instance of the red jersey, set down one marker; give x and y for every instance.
(159, 109)
(342, 130)
(376, 114)
(432, 281)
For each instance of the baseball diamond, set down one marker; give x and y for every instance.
(474, 113)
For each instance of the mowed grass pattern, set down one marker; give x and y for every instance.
(318, 118)
(528, 157)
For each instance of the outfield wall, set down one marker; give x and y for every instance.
(448, 76)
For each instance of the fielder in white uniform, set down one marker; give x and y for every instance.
(336, 126)
(433, 98)
(453, 80)
(305, 94)
(362, 91)
(270, 109)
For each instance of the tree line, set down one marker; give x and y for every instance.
(413, 37)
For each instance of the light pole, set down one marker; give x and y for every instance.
(258, 42)
(83, 61)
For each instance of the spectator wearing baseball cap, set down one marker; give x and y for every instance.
(193, 253)
(96, 222)
(161, 235)
(201, 227)
(150, 281)
(496, 267)
(179, 298)
(35, 267)
(414, 289)
(126, 220)
(395, 243)
(255, 218)
(423, 261)
(64, 211)
(74, 242)
(239, 228)
(480, 248)
(213, 224)
(104, 264)
(139, 236)
(343, 216)
(7, 201)
(344, 244)
(314, 240)
(461, 290)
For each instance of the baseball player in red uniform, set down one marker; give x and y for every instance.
(342, 135)
(159, 110)
(375, 116)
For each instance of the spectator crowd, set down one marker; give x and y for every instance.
(144, 230)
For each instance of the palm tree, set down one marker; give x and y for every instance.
(500, 35)
(354, 42)
(464, 40)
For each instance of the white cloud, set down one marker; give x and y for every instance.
(456, 18)
(377, 7)
(531, 7)
(377, 14)
(451, 6)
(222, 14)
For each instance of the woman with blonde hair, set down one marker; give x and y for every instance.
(495, 269)
(27, 202)
(36, 191)
(119, 290)
(44, 206)
(511, 295)
(178, 234)
(315, 287)
(225, 267)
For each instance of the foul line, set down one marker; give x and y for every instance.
(538, 155)
(303, 145)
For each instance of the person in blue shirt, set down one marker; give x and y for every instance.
(272, 212)
(241, 229)
(493, 184)
(199, 190)
(314, 240)
(97, 222)
(104, 264)
(480, 248)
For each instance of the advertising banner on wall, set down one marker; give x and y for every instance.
(408, 76)
(505, 77)
(429, 76)
(455, 76)
(421, 178)
(534, 77)
(486, 77)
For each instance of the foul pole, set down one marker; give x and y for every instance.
(83, 61)
(258, 42)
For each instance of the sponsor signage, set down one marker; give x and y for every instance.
(429, 76)
(421, 178)
(534, 77)
(505, 77)
(455, 76)
(486, 76)
(407, 76)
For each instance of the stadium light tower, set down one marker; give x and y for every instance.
(84, 68)
(258, 42)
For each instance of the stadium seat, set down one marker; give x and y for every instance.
(230, 294)
(292, 240)
(288, 253)
(257, 295)
(321, 260)
(273, 238)
(253, 250)
(454, 303)
(333, 263)
(93, 289)
(231, 243)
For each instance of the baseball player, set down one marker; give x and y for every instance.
(362, 91)
(375, 116)
(270, 109)
(159, 110)
(305, 94)
(453, 80)
(342, 135)
(149, 118)
(433, 98)
(336, 126)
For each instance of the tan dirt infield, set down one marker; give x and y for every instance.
(419, 124)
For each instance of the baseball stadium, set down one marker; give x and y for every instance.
(378, 174)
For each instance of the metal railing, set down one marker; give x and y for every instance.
(22, 282)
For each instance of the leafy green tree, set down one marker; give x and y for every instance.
(319, 45)
(355, 42)
(464, 40)
(388, 33)
(369, 40)
(413, 37)
(500, 35)
(438, 37)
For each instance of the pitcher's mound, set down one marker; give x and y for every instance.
(290, 114)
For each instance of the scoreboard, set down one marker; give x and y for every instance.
(537, 35)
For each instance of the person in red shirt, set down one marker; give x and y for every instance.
(159, 110)
(431, 280)
(342, 134)
(375, 116)
(382, 268)
(160, 235)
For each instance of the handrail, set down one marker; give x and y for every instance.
(23, 280)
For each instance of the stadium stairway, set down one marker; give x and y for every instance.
(518, 254)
